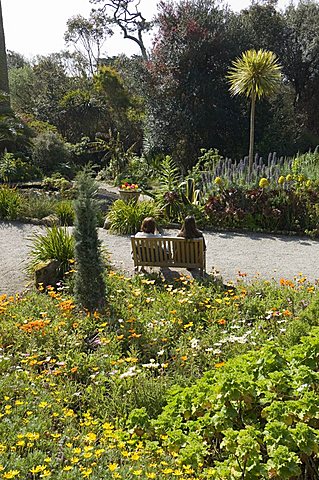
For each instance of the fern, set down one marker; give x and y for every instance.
(169, 174)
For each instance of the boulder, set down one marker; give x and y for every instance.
(47, 273)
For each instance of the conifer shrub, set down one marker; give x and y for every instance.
(89, 287)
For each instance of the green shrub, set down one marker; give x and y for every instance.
(50, 152)
(58, 182)
(57, 243)
(14, 169)
(37, 205)
(257, 414)
(10, 203)
(126, 218)
(65, 211)
(89, 283)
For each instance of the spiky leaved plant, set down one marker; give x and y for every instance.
(255, 74)
(89, 288)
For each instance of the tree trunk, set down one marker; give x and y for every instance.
(252, 132)
(4, 82)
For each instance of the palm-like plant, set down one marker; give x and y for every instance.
(254, 74)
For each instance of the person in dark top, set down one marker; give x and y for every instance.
(189, 229)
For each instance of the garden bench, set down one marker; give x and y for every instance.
(168, 252)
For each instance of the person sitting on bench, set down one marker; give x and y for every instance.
(189, 231)
(148, 228)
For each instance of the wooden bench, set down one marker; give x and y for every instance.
(168, 252)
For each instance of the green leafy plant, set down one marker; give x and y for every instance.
(56, 243)
(13, 169)
(38, 205)
(65, 212)
(126, 217)
(10, 203)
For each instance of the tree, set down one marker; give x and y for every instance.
(89, 285)
(186, 93)
(255, 74)
(88, 34)
(300, 60)
(126, 15)
(4, 82)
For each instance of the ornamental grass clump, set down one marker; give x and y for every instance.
(89, 286)
(56, 244)
(126, 217)
(10, 203)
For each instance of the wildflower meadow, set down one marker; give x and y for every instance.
(188, 380)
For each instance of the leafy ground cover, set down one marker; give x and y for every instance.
(182, 380)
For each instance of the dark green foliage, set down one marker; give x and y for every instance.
(186, 93)
(50, 153)
(89, 288)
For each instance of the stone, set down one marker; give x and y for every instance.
(50, 220)
(107, 224)
(47, 273)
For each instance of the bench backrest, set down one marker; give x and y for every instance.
(168, 251)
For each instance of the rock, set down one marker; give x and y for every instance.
(51, 220)
(47, 273)
(107, 224)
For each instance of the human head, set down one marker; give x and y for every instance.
(189, 228)
(148, 225)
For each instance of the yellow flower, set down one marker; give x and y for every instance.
(91, 437)
(45, 473)
(38, 469)
(151, 475)
(263, 182)
(10, 474)
(113, 467)
(87, 472)
(218, 181)
(281, 180)
(289, 178)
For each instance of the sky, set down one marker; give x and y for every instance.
(37, 27)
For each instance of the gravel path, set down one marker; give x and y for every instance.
(267, 256)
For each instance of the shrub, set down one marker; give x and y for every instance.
(50, 152)
(89, 287)
(57, 243)
(10, 203)
(257, 413)
(14, 169)
(37, 205)
(65, 212)
(126, 218)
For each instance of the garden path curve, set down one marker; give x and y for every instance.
(266, 256)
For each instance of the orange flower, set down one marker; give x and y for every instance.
(286, 283)
(220, 364)
(222, 321)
